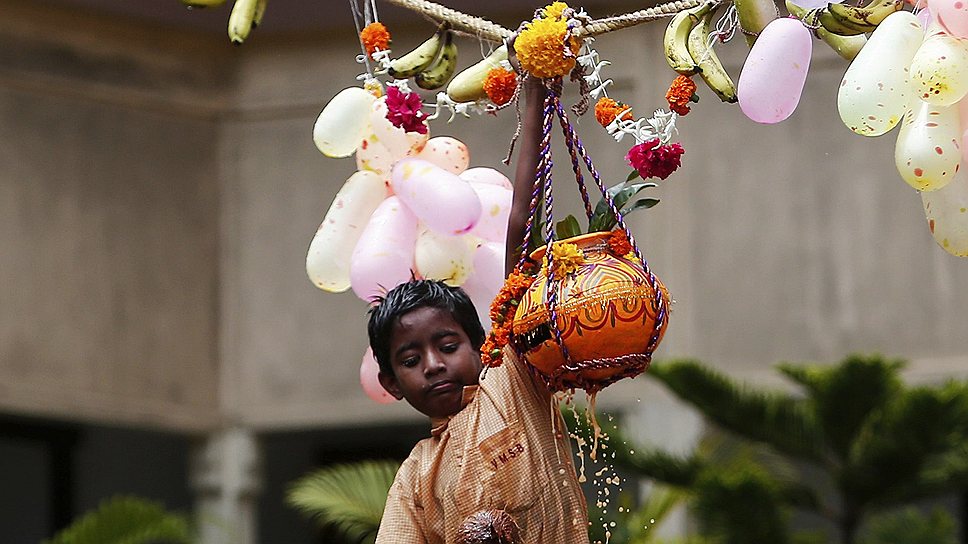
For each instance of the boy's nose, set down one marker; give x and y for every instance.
(435, 364)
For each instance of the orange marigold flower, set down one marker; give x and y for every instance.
(680, 93)
(565, 259)
(541, 48)
(554, 10)
(618, 243)
(607, 109)
(502, 312)
(375, 37)
(500, 84)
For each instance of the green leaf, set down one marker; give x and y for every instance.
(567, 228)
(634, 174)
(603, 220)
(642, 203)
(126, 520)
(350, 498)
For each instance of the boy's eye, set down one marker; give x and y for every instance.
(409, 362)
(449, 348)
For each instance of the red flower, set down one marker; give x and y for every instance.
(654, 160)
(404, 111)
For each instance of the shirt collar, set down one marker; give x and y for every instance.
(439, 424)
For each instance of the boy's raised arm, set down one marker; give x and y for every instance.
(534, 95)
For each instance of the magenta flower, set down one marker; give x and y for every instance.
(403, 110)
(652, 160)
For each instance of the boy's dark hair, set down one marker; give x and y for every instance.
(413, 295)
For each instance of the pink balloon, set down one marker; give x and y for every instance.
(444, 202)
(489, 176)
(488, 277)
(772, 79)
(369, 379)
(495, 209)
(952, 15)
(383, 258)
(448, 153)
(925, 17)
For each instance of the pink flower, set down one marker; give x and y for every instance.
(403, 111)
(654, 160)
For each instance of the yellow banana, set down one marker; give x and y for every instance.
(203, 3)
(260, 10)
(865, 17)
(436, 75)
(845, 46)
(420, 58)
(240, 21)
(754, 15)
(468, 85)
(674, 41)
(711, 69)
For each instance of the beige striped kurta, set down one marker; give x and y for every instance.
(506, 449)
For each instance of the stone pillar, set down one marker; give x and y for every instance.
(226, 477)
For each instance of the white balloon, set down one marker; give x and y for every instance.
(341, 124)
(445, 258)
(490, 176)
(947, 213)
(939, 70)
(372, 155)
(495, 209)
(927, 153)
(875, 92)
(328, 258)
(383, 258)
(488, 277)
(448, 153)
(399, 142)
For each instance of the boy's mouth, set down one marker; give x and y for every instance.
(443, 386)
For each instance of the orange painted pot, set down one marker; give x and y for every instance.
(607, 312)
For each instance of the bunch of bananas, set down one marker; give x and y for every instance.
(431, 63)
(688, 51)
(846, 20)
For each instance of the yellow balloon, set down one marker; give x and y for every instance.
(446, 258)
(939, 71)
(928, 150)
(947, 213)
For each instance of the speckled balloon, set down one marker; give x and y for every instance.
(939, 71)
(947, 212)
(874, 93)
(928, 150)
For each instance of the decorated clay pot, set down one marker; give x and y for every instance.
(609, 317)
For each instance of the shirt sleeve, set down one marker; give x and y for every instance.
(403, 519)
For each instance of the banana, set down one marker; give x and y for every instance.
(754, 15)
(420, 58)
(468, 85)
(260, 10)
(711, 69)
(674, 41)
(443, 67)
(845, 46)
(838, 26)
(202, 3)
(240, 21)
(866, 17)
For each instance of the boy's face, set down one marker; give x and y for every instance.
(432, 360)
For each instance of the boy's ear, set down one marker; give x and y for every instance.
(389, 382)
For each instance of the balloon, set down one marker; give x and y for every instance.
(928, 153)
(328, 259)
(939, 70)
(443, 201)
(383, 258)
(488, 277)
(775, 71)
(947, 213)
(446, 258)
(490, 176)
(963, 106)
(495, 209)
(448, 153)
(369, 379)
(399, 142)
(952, 15)
(925, 18)
(874, 93)
(374, 156)
(341, 124)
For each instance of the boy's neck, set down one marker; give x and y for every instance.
(439, 424)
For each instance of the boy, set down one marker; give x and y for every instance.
(497, 467)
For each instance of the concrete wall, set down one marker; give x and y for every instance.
(160, 188)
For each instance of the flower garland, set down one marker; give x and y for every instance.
(375, 37)
(500, 84)
(502, 311)
(404, 110)
(653, 159)
(544, 46)
(681, 92)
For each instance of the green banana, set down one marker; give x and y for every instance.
(845, 46)
(676, 37)
(202, 3)
(754, 15)
(240, 21)
(838, 26)
(468, 85)
(711, 69)
(866, 17)
(260, 11)
(443, 67)
(420, 58)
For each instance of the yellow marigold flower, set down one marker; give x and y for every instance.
(565, 258)
(554, 10)
(541, 48)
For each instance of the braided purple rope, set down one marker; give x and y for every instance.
(575, 166)
(659, 301)
(551, 286)
(542, 171)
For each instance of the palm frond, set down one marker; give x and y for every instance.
(779, 420)
(126, 520)
(349, 497)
